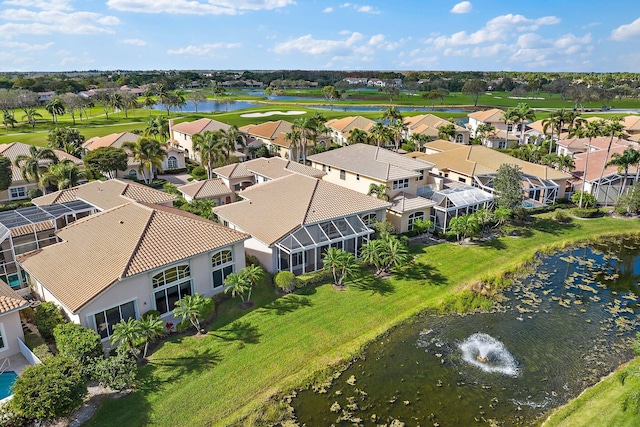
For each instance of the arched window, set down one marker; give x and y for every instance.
(170, 285)
(459, 138)
(221, 266)
(172, 162)
(416, 216)
(369, 219)
(133, 173)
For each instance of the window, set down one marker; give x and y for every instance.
(400, 184)
(502, 144)
(17, 193)
(416, 216)
(104, 321)
(222, 266)
(170, 286)
(459, 138)
(369, 219)
(462, 179)
(172, 162)
(343, 175)
(510, 127)
(297, 260)
(2, 343)
(324, 168)
(133, 173)
(421, 177)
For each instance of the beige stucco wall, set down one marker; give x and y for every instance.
(4, 195)
(185, 142)
(12, 330)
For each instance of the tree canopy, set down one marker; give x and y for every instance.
(508, 186)
(106, 160)
(5, 173)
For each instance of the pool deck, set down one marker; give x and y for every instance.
(17, 363)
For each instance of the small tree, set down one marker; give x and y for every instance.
(74, 340)
(509, 190)
(464, 226)
(501, 215)
(46, 317)
(629, 203)
(150, 327)
(5, 173)
(106, 160)
(341, 263)
(422, 226)
(127, 333)
(116, 372)
(286, 281)
(49, 390)
(474, 88)
(588, 200)
(191, 307)
(238, 285)
(385, 253)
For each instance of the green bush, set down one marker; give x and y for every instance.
(8, 417)
(151, 313)
(116, 372)
(252, 260)
(315, 278)
(74, 340)
(561, 216)
(49, 390)
(47, 317)
(34, 192)
(285, 281)
(586, 212)
(588, 200)
(199, 173)
(42, 352)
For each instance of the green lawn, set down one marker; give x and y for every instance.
(599, 405)
(284, 342)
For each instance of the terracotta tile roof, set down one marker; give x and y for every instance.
(113, 140)
(32, 228)
(370, 161)
(234, 170)
(403, 202)
(106, 194)
(268, 130)
(631, 123)
(473, 160)
(15, 149)
(494, 115)
(275, 208)
(9, 299)
(206, 189)
(276, 167)
(596, 160)
(441, 145)
(429, 124)
(119, 243)
(199, 126)
(600, 142)
(347, 124)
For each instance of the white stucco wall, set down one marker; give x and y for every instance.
(11, 331)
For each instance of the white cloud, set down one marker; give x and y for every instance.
(197, 7)
(462, 7)
(328, 10)
(361, 9)
(48, 21)
(26, 46)
(42, 4)
(134, 42)
(204, 49)
(337, 48)
(627, 31)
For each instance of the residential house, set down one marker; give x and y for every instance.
(273, 136)
(214, 189)
(173, 158)
(476, 165)
(130, 259)
(340, 129)
(428, 124)
(20, 187)
(238, 176)
(10, 325)
(294, 219)
(356, 80)
(181, 135)
(576, 145)
(505, 134)
(361, 166)
(632, 127)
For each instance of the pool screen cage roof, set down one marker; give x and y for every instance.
(37, 214)
(314, 235)
(459, 197)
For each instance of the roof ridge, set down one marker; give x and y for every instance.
(123, 274)
(313, 193)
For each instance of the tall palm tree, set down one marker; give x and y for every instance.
(31, 114)
(357, 136)
(379, 134)
(484, 130)
(587, 130)
(341, 263)
(391, 115)
(565, 162)
(378, 190)
(209, 146)
(62, 175)
(510, 116)
(295, 140)
(418, 140)
(165, 96)
(231, 138)
(149, 153)
(551, 122)
(623, 161)
(613, 128)
(303, 125)
(33, 164)
(55, 108)
(523, 113)
(398, 131)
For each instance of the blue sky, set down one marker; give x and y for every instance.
(539, 35)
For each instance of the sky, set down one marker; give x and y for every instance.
(491, 35)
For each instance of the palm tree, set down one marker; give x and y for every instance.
(55, 108)
(510, 116)
(237, 284)
(523, 112)
(418, 140)
(8, 120)
(127, 332)
(302, 125)
(31, 165)
(501, 215)
(341, 263)
(589, 130)
(623, 161)
(191, 307)
(397, 131)
(165, 97)
(150, 328)
(565, 162)
(551, 122)
(231, 138)
(209, 146)
(484, 130)
(254, 274)
(391, 115)
(378, 190)
(379, 134)
(157, 126)
(614, 128)
(31, 114)
(116, 101)
(447, 132)
(62, 175)
(295, 140)
(149, 153)
(357, 136)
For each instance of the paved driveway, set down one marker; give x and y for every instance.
(177, 179)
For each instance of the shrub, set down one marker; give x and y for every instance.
(49, 390)
(74, 340)
(8, 417)
(199, 173)
(285, 281)
(561, 216)
(47, 317)
(252, 260)
(34, 192)
(27, 315)
(315, 278)
(43, 352)
(116, 372)
(151, 313)
(586, 212)
(588, 200)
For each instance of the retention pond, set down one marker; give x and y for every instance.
(561, 328)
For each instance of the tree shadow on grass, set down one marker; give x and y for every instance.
(239, 331)
(369, 282)
(420, 273)
(494, 243)
(194, 360)
(287, 304)
(548, 225)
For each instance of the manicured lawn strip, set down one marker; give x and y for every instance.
(599, 405)
(229, 373)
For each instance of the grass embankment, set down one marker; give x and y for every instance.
(600, 405)
(284, 342)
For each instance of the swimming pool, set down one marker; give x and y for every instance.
(6, 382)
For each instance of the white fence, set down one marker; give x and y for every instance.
(27, 353)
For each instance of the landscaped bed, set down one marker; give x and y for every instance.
(285, 342)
